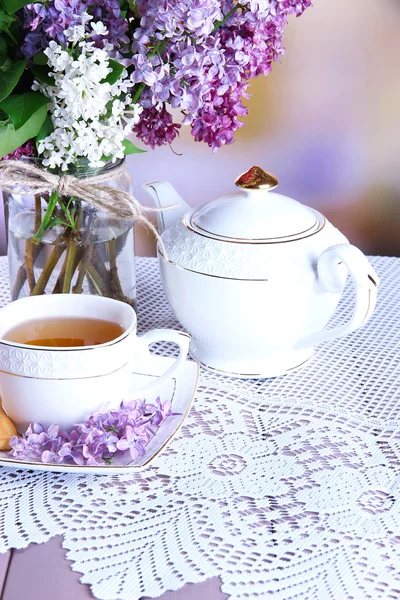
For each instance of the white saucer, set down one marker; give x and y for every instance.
(181, 393)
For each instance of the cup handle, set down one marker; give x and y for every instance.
(365, 282)
(166, 335)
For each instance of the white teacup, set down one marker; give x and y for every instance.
(65, 385)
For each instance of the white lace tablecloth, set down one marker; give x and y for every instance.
(287, 487)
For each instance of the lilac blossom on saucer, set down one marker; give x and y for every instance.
(96, 441)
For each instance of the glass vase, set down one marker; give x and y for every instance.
(80, 250)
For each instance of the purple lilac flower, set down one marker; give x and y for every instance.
(131, 442)
(27, 149)
(296, 6)
(97, 440)
(109, 13)
(178, 18)
(195, 55)
(48, 22)
(209, 63)
(218, 119)
(156, 127)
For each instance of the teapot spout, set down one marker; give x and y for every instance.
(163, 195)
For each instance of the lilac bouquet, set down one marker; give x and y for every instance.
(77, 76)
(98, 440)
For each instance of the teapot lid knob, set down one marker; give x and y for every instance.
(256, 179)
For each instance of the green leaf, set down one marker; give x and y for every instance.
(46, 129)
(5, 20)
(21, 107)
(116, 72)
(11, 139)
(12, 6)
(68, 213)
(10, 78)
(45, 224)
(40, 59)
(56, 221)
(3, 50)
(132, 6)
(41, 72)
(130, 148)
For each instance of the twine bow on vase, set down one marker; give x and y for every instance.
(15, 173)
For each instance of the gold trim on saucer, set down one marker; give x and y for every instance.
(180, 424)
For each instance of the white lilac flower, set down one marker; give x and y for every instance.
(60, 59)
(99, 28)
(74, 33)
(91, 117)
(85, 17)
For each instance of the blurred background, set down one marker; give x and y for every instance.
(326, 121)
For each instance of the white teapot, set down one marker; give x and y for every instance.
(255, 276)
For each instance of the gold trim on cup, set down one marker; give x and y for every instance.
(62, 378)
(373, 280)
(21, 346)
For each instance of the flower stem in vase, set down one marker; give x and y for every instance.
(85, 257)
(115, 283)
(71, 261)
(57, 251)
(98, 282)
(114, 279)
(31, 249)
(46, 221)
(45, 275)
(87, 253)
(58, 288)
(18, 283)
(69, 268)
(101, 270)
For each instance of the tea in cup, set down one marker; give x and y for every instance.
(65, 356)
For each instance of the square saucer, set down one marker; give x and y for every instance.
(179, 390)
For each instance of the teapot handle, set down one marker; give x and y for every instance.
(365, 282)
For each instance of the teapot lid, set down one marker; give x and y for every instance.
(255, 214)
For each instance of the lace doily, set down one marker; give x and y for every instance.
(287, 487)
